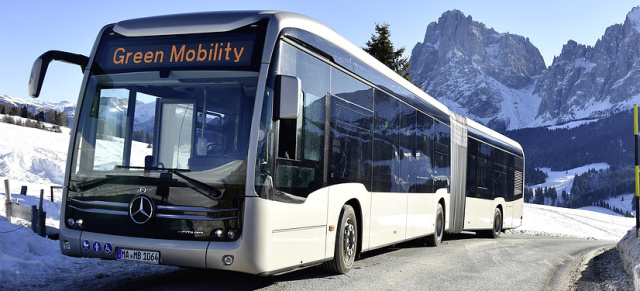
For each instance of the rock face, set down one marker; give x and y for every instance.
(475, 69)
(501, 80)
(592, 82)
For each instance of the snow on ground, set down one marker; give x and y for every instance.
(622, 202)
(28, 261)
(577, 223)
(32, 157)
(36, 158)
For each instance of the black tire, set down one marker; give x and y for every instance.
(497, 226)
(346, 243)
(436, 238)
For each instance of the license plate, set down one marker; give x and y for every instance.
(139, 256)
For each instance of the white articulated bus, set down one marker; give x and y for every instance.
(264, 142)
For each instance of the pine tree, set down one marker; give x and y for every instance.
(24, 112)
(51, 116)
(381, 48)
(40, 116)
(14, 111)
(61, 118)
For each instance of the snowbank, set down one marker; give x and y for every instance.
(32, 157)
(28, 261)
(23, 253)
(544, 220)
(629, 249)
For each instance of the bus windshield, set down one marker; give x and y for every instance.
(159, 104)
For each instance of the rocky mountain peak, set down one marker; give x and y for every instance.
(593, 81)
(469, 67)
(500, 79)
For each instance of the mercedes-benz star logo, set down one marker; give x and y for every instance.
(141, 209)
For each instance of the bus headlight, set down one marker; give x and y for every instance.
(74, 223)
(217, 234)
(231, 234)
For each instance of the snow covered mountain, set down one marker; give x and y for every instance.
(477, 71)
(500, 79)
(593, 81)
(37, 105)
(115, 106)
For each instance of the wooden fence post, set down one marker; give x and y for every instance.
(7, 204)
(41, 216)
(34, 219)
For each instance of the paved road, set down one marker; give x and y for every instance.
(462, 262)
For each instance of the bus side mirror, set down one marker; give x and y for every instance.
(288, 97)
(39, 69)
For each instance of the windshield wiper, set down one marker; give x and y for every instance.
(203, 188)
(199, 186)
(83, 186)
(151, 168)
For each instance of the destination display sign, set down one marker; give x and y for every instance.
(145, 53)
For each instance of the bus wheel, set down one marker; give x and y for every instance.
(346, 243)
(497, 226)
(436, 238)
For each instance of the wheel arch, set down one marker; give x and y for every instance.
(499, 206)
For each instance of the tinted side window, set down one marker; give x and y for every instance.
(301, 142)
(472, 169)
(385, 142)
(351, 130)
(348, 88)
(407, 135)
(485, 171)
(499, 173)
(424, 153)
(442, 161)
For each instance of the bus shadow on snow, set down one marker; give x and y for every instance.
(416, 243)
(186, 278)
(191, 278)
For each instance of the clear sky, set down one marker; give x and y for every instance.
(28, 28)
